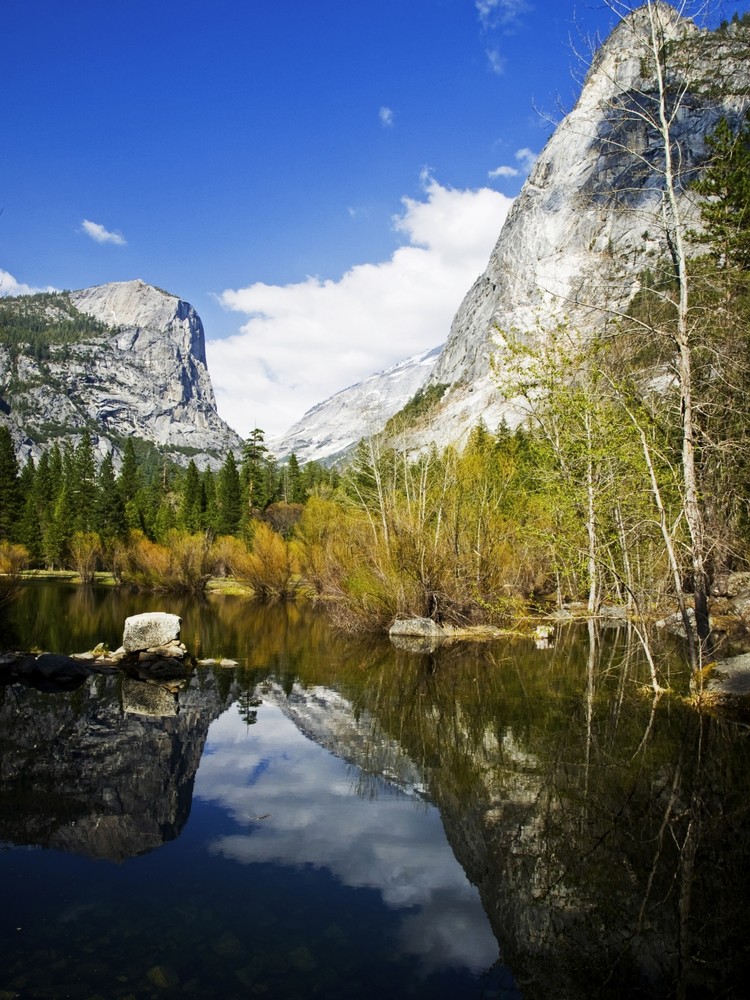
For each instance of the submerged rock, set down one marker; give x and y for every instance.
(420, 627)
(728, 682)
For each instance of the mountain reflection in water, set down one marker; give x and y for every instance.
(605, 831)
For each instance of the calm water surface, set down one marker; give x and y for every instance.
(338, 818)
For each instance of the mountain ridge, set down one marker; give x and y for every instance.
(140, 371)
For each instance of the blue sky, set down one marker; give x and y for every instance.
(321, 179)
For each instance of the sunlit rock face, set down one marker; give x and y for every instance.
(104, 771)
(145, 377)
(330, 430)
(588, 221)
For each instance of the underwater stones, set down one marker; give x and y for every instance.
(416, 635)
(147, 699)
(150, 630)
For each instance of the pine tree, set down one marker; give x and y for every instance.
(208, 500)
(109, 513)
(82, 485)
(229, 497)
(293, 489)
(129, 480)
(192, 500)
(254, 472)
(29, 533)
(10, 494)
(725, 189)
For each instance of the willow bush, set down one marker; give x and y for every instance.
(184, 562)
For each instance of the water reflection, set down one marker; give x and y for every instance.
(105, 771)
(604, 828)
(298, 806)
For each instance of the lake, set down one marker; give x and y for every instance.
(340, 818)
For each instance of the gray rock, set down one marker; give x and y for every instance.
(614, 612)
(740, 606)
(673, 623)
(730, 678)
(420, 627)
(560, 615)
(146, 376)
(150, 630)
(730, 584)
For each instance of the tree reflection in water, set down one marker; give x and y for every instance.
(603, 826)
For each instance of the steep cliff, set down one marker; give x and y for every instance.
(119, 360)
(588, 221)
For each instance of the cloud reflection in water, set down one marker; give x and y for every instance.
(301, 807)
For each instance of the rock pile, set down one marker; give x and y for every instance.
(151, 650)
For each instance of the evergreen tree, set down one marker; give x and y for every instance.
(10, 494)
(59, 528)
(292, 481)
(208, 500)
(725, 188)
(228, 497)
(29, 533)
(258, 474)
(192, 500)
(109, 513)
(82, 485)
(129, 480)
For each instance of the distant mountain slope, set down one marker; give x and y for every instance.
(332, 428)
(118, 360)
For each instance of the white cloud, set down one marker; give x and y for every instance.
(303, 342)
(386, 117)
(101, 235)
(501, 12)
(526, 158)
(10, 286)
(496, 61)
(503, 172)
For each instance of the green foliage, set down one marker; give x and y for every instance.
(724, 188)
(10, 493)
(422, 403)
(32, 324)
(228, 497)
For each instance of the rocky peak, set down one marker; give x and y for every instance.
(139, 371)
(588, 222)
(134, 305)
(585, 226)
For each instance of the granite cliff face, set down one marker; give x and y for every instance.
(139, 370)
(330, 430)
(588, 221)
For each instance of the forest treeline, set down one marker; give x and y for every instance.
(627, 478)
